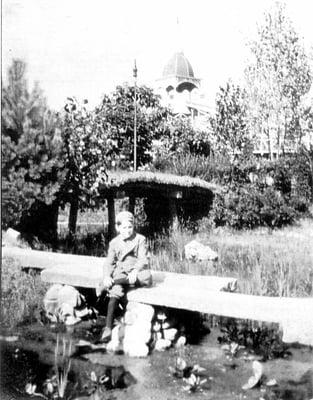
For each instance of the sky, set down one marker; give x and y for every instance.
(85, 48)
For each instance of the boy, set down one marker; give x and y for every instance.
(126, 264)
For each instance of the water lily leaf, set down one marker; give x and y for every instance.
(196, 368)
(257, 368)
(271, 382)
(103, 379)
(181, 341)
(252, 382)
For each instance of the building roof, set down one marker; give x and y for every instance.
(156, 180)
(179, 66)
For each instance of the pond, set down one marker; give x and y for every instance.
(96, 374)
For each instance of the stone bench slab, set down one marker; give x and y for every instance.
(91, 276)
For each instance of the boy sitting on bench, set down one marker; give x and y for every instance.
(126, 265)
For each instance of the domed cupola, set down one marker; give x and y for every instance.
(178, 65)
(178, 74)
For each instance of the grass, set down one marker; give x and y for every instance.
(278, 263)
(21, 295)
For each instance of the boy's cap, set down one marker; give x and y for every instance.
(124, 216)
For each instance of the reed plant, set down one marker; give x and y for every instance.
(62, 364)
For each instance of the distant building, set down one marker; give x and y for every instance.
(181, 90)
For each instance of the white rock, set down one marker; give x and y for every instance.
(162, 344)
(196, 251)
(156, 327)
(135, 333)
(142, 311)
(170, 334)
(135, 349)
(61, 299)
(181, 341)
(11, 237)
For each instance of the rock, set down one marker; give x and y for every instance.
(181, 341)
(139, 310)
(196, 251)
(162, 344)
(135, 349)
(60, 301)
(137, 334)
(115, 342)
(11, 237)
(170, 334)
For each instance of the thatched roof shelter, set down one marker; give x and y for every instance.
(165, 193)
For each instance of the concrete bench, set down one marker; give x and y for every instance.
(206, 294)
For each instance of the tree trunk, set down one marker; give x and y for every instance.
(111, 216)
(72, 221)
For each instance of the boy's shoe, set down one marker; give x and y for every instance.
(106, 335)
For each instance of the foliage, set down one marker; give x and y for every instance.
(21, 295)
(187, 164)
(277, 79)
(32, 168)
(230, 124)
(86, 149)
(115, 118)
(263, 340)
(247, 207)
(181, 137)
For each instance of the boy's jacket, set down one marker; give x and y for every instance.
(126, 255)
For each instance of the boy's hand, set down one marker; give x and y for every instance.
(132, 276)
(104, 285)
(107, 282)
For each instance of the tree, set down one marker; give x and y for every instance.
(277, 78)
(86, 151)
(181, 137)
(115, 116)
(31, 163)
(230, 124)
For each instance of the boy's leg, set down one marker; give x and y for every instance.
(144, 278)
(116, 293)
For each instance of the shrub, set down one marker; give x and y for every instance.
(248, 207)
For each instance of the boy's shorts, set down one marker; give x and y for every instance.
(144, 279)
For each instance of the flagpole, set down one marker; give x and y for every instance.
(135, 116)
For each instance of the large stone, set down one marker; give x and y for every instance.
(13, 238)
(137, 329)
(196, 251)
(61, 300)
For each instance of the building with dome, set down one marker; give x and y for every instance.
(181, 90)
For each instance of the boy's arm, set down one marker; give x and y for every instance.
(110, 261)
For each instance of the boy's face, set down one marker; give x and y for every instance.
(125, 229)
